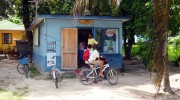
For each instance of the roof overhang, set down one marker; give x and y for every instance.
(35, 23)
(41, 17)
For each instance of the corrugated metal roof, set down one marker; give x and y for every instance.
(7, 25)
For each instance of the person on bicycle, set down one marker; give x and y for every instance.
(95, 60)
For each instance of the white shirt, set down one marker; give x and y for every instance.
(90, 52)
(94, 55)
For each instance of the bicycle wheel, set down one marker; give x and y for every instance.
(26, 70)
(83, 72)
(112, 76)
(56, 83)
(20, 68)
(59, 76)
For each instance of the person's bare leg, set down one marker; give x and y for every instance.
(101, 67)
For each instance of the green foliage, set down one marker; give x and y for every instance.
(55, 7)
(174, 48)
(142, 50)
(34, 72)
(6, 7)
(9, 95)
(174, 17)
(20, 91)
(140, 11)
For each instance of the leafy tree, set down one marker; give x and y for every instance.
(174, 13)
(6, 7)
(139, 10)
(26, 14)
(55, 7)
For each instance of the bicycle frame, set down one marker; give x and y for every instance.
(53, 70)
(94, 70)
(88, 74)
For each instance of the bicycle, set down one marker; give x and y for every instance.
(22, 66)
(56, 74)
(88, 75)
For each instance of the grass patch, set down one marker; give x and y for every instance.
(34, 72)
(1, 81)
(20, 91)
(8, 95)
(2, 90)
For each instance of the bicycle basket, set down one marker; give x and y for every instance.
(23, 61)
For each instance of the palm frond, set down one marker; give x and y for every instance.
(80, 7)
(159, 59)
(115, 3)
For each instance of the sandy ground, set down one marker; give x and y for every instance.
(132, 85)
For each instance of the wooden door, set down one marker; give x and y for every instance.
(69, 44)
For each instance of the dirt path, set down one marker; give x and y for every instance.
(132, 85)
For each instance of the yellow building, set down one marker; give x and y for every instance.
(9, 33)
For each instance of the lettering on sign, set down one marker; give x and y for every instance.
(86, 22)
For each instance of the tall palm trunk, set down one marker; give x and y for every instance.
(160, 58)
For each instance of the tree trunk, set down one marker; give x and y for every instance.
(128, 42)
(167, 87)
(27, 21)
(29, 37)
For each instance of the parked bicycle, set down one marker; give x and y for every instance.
(88, 75)
(56, 74)
(22, 66)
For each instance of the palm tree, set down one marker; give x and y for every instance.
(160, 57)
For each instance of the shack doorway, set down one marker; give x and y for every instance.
(82, 43)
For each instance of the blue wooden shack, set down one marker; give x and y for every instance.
(57, 37)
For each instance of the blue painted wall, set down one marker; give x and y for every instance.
(50, 30)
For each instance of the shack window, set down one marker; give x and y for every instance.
(107, 39)
(6, 38)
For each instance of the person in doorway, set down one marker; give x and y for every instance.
(80, 54)
(92, 41)
(81, 46)
(95, 60)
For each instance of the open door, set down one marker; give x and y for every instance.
(69, 44)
